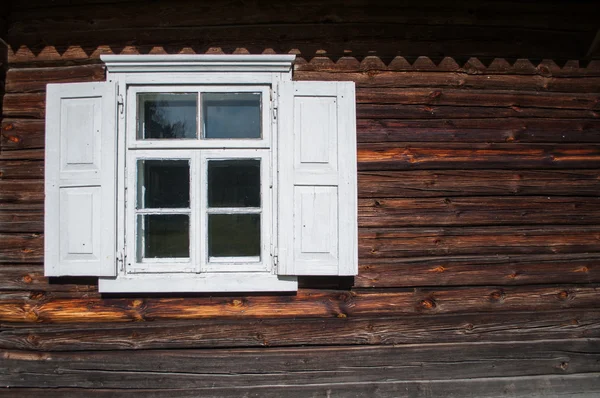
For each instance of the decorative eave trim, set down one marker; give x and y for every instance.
(199, 63)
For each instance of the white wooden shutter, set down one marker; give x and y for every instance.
(80, 179)
(317, 230)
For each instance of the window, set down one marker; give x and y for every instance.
(200, 173)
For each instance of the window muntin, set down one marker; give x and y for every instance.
(197, 208)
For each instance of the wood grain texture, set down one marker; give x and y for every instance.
(21, 191)
(305, 304)
(21, 169)
(475, 211)
(29, 105)
(21, 218)
(478, 270)
(26, 80)
(22, 134)
(460, 241)
(560, 386)
(410, 156)
(215, 333)
(445, 183)
(297, 366)
(514, 130)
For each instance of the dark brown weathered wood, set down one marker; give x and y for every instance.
(215, 333)
(21, 218)
(23, 154)
(474, 211)
(297, 366)
(30, 105)
(442, 80)
(21, 247)
(305, 304)
(515, 100)
(22, 134)
(585, 385)
(26, 80)
(407, 156)
(434, 111)
(444, 183)
(21, 169)
(533, 130)
(474, 270)
(22, 191)
(403, 243)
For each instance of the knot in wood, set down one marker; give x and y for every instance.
(427, 304)
(497, 295)
(27, 279)
(564, 365)
(564, 295)
(9, 127)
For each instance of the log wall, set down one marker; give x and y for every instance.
(479, 210)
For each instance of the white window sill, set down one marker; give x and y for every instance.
(208, 282)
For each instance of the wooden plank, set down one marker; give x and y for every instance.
(20, 218)
(223, 333)
(475, 211)
(584, 385)
(305, 304)
(21, 191)
(30, 277)
(21, 248)
(30, 105)
(478, 270)
(297, 366)
(516, 100)
(387, 79)
(434, 111)
(411, 156)
(21, 169)
(22, 134)
(479, 130)
(444, 183)
(474, 241)
(27, 80)
(23, 154)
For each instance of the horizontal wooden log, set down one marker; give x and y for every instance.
(515, 100)
(407, 156)
(434, 111)
(26, 80)
(474, 211)
(386, 79)
(30, 277)
(582, 385)
(534, 130)
(442, 183)
(305, 304)
(296, 366)
(21, 169)
(469, 270)
(21, 218)
(90, 14)
(21, 191)
(387, 39)
(24, 154)
(21, 248)
(30, 105)
(215, 333)
(476, 241)
(22, 134)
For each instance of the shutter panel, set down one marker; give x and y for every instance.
(317, 230)
(80, 207)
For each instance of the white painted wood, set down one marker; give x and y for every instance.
(80, 179)
(207, 282)
(199, 63)
(317, 200)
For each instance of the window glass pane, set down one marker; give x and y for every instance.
(164, 116)
(233, 235)
(234, 183)
(163, 184)
(163, 236)
(231, 115)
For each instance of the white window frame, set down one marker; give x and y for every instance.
(172, 74)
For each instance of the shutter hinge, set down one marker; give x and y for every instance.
(120, 260)
(275, 260)
(120, 103)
